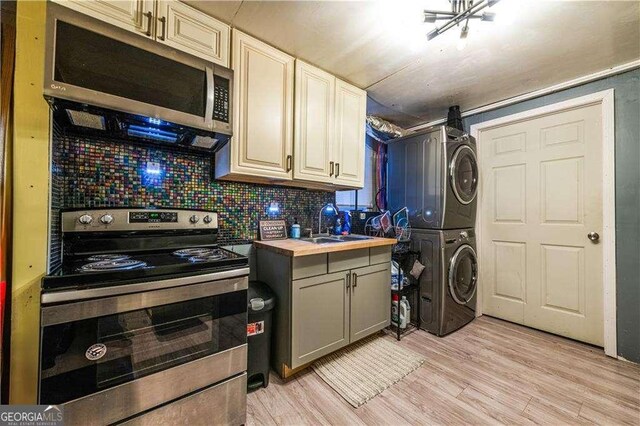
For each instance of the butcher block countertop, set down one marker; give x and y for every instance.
(294, 248)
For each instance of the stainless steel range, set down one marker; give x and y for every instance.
(145, 321)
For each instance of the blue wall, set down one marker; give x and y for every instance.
(627, 129)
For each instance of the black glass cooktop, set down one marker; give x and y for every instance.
(106, 269)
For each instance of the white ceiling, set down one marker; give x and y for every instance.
(380, 45)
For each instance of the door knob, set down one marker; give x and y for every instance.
(593, 236)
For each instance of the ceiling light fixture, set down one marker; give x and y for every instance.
(461, 11)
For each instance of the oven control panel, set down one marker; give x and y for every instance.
(153, 217)
(137, 220)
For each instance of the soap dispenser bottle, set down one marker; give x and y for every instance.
(295, 229)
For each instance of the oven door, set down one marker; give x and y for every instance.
(152, 346)
(89, 61)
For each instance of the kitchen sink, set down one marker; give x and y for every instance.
(335, 239)
(353, 237)
(322, 240)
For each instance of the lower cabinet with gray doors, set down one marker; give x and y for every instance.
(325, 301)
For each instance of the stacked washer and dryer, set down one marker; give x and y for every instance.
(434, 173)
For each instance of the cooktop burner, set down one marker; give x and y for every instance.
(201, 254)
(118, 264)
(197, 252)
(212, 257)
(103, 257)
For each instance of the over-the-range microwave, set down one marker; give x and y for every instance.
(102, 67)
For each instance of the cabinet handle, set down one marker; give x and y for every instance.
(163, 21)
(330, 168)
(355, 280)
(149, 16)
(348, 281)
(289, 160)
(337, 169)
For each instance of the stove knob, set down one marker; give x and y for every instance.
(85, 219)
(106, 219)
(207, 219)
(194, 219)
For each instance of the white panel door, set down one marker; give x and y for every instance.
(541, 197)
(263, 123)
(349, 145)
(189, 30)
(314, 129)
(132, 15)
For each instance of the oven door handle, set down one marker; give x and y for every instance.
(155, 296)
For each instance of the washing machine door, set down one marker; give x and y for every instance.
(463, 174)
(463, 274)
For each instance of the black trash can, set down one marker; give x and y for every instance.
(261, 303)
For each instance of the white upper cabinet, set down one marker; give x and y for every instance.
(262, 144)
(189, 30)
(314, 124)
(167, 21)
(349, 143)
(133, 15)
(329, 141)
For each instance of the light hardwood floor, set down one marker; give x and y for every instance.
(489, 372)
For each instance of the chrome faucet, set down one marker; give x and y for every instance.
(329, 207)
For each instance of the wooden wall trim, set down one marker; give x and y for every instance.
(8, 36)
(31, 141)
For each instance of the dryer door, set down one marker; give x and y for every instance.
(463, 174)
(463, 274)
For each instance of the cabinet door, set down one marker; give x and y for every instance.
(319, 317)
(263, 125)
(132, 15)
(349, 145)
(189, 30)
(370, 300)
(314, 129)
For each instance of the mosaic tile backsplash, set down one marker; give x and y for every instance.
(93, 173)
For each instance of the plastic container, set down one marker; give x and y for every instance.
(261, 303)
(405, 312)
(397, 280)
(346, 222)
(295, 229)
(394, 309)
(337, 229)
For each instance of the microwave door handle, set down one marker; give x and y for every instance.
(208, 111)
